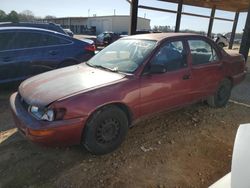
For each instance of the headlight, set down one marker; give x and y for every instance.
(42, 113)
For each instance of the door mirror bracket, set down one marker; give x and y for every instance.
(157, 69)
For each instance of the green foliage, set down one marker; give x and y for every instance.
(3, 16)
(24, 16)
(13, 17)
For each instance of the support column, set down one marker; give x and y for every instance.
(133, 16)
(236, 18)
(245, 41)
(211, 22)
(178, 16)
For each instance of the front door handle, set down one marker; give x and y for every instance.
(186, 77)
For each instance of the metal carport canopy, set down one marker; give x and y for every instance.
(227, 5)
(236, 6)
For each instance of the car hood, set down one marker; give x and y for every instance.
(46, 88)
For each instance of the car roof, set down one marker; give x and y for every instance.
(159, 36)
(29, 29)
(29, 23)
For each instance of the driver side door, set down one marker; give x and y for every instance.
(164, 91)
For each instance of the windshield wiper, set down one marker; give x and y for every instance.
(104, 68)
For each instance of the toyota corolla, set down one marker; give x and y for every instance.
(94, 103)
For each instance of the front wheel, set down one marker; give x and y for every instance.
(222, 95)
(105, 130)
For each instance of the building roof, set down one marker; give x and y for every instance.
(227, 5)
(81, 17)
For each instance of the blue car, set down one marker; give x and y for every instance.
(26, 51)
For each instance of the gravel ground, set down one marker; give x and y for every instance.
(191, 147)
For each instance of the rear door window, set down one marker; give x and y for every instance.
(6, 40)
(31, 40)
(48, 40)
(202, 52)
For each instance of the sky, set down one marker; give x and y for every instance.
(65, 8)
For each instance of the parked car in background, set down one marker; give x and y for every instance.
(42, 25)
(222, 41)
(25, 52)
(95, 103)
(69, 32)
(139, 32)
(106, 38)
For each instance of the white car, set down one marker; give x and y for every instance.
(240, 171)
(222, 41)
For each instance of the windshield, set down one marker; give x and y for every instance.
(123, 55)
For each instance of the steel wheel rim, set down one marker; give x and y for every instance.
(108, 131)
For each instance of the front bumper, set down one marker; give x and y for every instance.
(56, 133)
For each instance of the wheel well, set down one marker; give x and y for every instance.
(126, 110)
(231, 80)
(122, 106)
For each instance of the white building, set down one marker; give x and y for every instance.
(118, 24)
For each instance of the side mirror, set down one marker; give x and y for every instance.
(157, 68)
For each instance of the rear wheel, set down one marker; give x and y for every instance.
(106, 130)
(221, 45)
(222, 95)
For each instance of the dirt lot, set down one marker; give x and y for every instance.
(191, 147)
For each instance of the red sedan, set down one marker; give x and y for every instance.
(95, 103)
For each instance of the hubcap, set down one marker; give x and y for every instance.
(107, 131)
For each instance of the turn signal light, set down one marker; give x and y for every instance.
(41, 132)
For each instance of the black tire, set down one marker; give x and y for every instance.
(105, 130)
(221, 45)
(222, 95)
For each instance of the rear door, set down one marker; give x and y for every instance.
(167, 90)
(9, 66)
(42, 52)
(206, 68)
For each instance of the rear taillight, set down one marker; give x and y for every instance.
(90, 47)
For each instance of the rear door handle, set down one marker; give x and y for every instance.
(186, 77)
(53, 52)
(7, 59)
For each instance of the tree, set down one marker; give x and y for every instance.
(162, 28)
(26, 16)
(3, 16)
(13, 17)
(49, 17)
